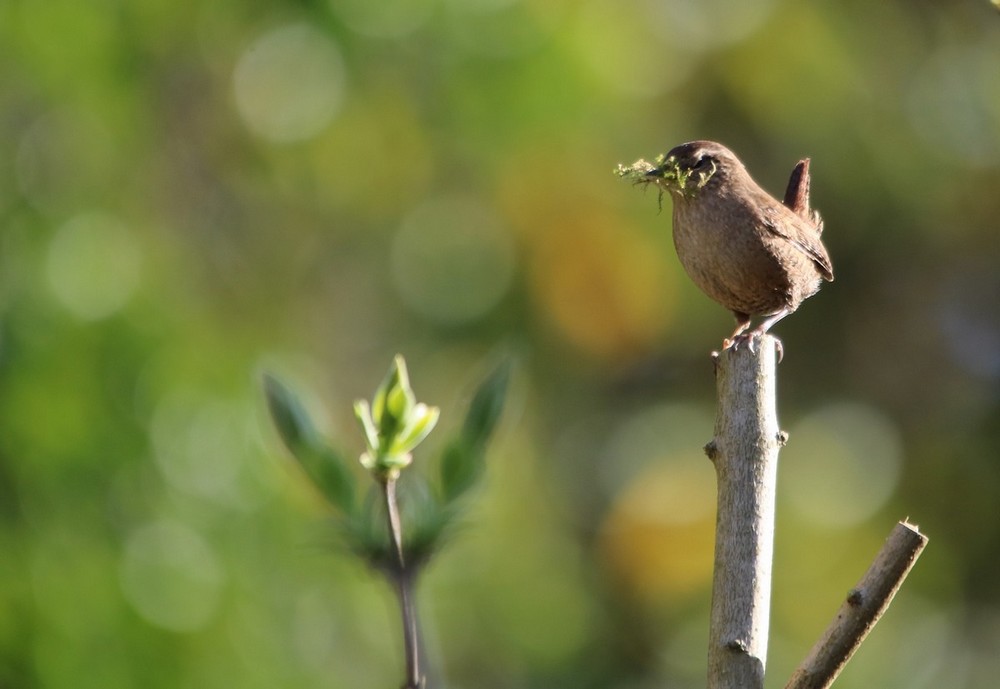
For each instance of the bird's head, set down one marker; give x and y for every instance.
(688, 170)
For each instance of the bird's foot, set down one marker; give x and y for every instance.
(749, 339)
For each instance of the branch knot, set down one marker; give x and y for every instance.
(711, 449)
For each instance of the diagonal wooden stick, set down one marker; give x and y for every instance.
(865, 605)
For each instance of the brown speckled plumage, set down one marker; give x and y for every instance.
(741, 246)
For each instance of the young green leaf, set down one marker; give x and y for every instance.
(419, 424)
(324, 465)
(394, 424)
(486, 407)
(363, 413)
(365, 533)
(399, 402)
(424, 521)
(461, 466)
(426, 517)
(462, 461)
(328, 470)
(289, 416)
(393, 401)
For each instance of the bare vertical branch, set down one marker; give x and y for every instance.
(745, 454)
(865, 605)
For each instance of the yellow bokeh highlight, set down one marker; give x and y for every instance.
(655, 556)
(603, 289)
(601, 283)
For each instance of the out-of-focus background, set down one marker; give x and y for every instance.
(193, 192)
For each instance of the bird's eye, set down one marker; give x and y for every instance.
(702, 162)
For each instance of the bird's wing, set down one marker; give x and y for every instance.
(800, 235)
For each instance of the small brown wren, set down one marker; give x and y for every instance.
(742, 247)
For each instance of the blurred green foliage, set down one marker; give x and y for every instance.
(392, 425)
(192, 191)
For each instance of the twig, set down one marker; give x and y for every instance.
(745, 454)
(395, 527)
(865, 605)
(411, 635)
(403, 580)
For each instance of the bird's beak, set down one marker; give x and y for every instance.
(666, 171)
(663, 172)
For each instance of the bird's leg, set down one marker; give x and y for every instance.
(742, 323)
(763, 328)
(769, 321)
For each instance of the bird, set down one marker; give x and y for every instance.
(742, 247)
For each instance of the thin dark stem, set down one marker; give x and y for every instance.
(403, 580)
(411, 635)
(395, 527)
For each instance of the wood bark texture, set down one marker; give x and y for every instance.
(865, 604)
(745, 454)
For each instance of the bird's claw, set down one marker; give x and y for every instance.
(735, 342)
(749, 338)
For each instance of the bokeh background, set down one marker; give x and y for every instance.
(192, 192)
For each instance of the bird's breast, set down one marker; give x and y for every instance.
(723, 250)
